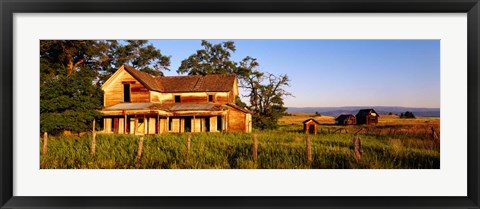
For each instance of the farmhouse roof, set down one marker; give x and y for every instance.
(192, 83)
(166, 107)
(145, 79)
(344, 116)
(198, 83)
(311, 119)
(239, 108)
(365, 112)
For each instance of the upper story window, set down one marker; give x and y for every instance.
(126, 92)
(177, 99)
(210, 98)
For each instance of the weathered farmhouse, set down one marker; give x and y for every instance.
(367, 116)
(310, 126)
(346, 119)
(137, 103)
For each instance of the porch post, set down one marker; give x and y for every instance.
(158, 124)
(168, 123)
(125, 123)
(193, 128)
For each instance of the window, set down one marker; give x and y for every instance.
(126, 92)
(177, 99)
(210, 98)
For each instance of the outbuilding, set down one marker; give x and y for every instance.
(346, 119)
(367, 116)
(310, 126)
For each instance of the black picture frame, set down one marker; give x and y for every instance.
(9, 7)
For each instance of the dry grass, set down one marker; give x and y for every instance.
(298, 118)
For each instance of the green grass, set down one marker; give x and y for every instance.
(282, 149)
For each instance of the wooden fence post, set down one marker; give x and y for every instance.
(45, 143)
(309, 150)
(140, 147)
(94, 140)
(434, 135)
(255, 146)
(188, 146)
(357, 148)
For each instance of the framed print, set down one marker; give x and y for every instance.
(160, 104)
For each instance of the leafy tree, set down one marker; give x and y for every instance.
(212, 59)
(265, 91)
(407, 114)
(72, 71)
(136, 53)
(266, 98)
(69, 102)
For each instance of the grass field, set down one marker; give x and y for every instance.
(392, 144)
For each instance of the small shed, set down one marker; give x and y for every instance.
(367, 116)
(310, 126)
(346, 119)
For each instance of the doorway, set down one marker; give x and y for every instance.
(188, 124)
(311, 129)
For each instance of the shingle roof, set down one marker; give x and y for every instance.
(146, 79)
(198, 83)
(195, 83)
(365, 112)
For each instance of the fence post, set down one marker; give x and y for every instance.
(45, 143)
(309, 150)
(357, 148)
(140, 147)
(255, 146)
(434, 135)
(94, 140)
(188, 146)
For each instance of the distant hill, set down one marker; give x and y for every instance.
(336, 111)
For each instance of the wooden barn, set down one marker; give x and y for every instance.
(367, 116)
(346, 119)
(310, 126)
(137, 103)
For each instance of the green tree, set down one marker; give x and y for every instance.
(265, 91)
(212, 59)
(72, 71)
(136, 53)
(266, 98)
(69, 102)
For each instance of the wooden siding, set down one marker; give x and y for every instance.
(107, 124)
(193, 98)
(213, 124)
(114, 92)
(248, 123)
(121, 126)
(221, 97)
(198, 125)
(151, 125)
(236, 120)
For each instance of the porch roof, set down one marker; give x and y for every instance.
(167, 107)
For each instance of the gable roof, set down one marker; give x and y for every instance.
(311, 119)
(145, 79)
(344, 116)
(365, 112)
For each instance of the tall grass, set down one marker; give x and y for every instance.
(276, 150)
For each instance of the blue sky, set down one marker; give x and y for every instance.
(334, 73)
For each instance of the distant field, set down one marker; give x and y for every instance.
(392, 144)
